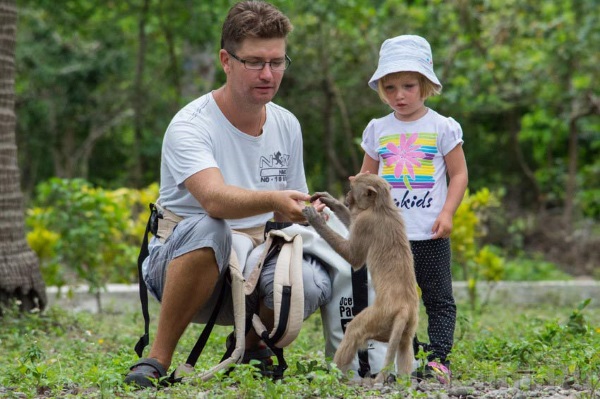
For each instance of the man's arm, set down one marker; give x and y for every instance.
(230, 202)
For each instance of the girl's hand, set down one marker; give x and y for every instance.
(442, 227)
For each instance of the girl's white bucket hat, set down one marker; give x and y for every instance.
(406, 53)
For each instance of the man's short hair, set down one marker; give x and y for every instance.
(253, 19)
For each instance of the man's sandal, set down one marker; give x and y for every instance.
(146, 373)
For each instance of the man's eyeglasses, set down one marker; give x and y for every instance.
(276, 65)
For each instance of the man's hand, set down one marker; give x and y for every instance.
(289, 205)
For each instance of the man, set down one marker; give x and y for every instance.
(231, 159)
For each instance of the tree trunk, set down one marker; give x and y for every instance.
(139, 100)
(20, 276)
(334, 168)
(571, 184)
(347, 132)
(514, 127)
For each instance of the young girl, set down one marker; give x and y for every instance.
(414, 148)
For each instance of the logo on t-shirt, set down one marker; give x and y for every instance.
(274, 168)
(408, 160)
(408, 165)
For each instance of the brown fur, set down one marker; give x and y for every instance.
(378, 238)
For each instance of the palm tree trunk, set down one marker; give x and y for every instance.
(20, 276)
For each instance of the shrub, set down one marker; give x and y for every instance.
(83, 233)
(471, 260)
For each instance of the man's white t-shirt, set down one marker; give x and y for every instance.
(411, 159)
(201, 137)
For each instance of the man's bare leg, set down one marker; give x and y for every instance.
(190, 281)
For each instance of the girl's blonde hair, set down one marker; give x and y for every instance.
(426, 86)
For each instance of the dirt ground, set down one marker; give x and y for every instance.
(521, 389)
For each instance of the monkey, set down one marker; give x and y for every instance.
(378, 238)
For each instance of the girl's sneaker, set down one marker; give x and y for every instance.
(436, 370)
(440, 371)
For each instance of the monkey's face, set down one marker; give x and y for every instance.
(365, 190)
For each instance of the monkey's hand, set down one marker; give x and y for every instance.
(313, 217)
(328, 200)
(335, 240)
(336, 206)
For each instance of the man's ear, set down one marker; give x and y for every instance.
(224, 59)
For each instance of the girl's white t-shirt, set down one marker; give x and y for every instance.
(411, 159)
(201, 137)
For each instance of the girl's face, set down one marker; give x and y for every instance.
(403, 94)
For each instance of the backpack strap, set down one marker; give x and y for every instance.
(239, 305)
(360, 294)
(151, 226)
(288, 294)
(188, 367)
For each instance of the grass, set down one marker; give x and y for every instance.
(82, 355)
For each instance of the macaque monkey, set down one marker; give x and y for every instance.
(378, 238)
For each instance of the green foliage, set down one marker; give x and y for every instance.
(474, 261)
(550, 349)
(70, 87)
(31, 366)
(81, 355)
(468, 229)
(84, 233)
(518, 75)
(589, 179)
(491, 264)
(532, 269)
